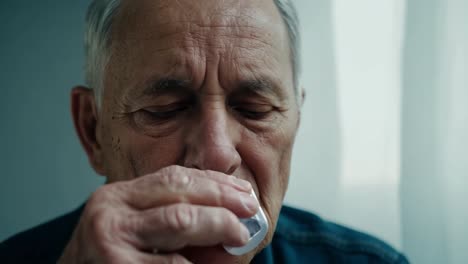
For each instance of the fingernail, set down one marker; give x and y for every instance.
(249, 202)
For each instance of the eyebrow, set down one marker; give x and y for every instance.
(170, 85)
(166, 85)
(262, 86)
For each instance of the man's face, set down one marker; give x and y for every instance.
(203, 84)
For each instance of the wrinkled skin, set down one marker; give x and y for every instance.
(195, 91)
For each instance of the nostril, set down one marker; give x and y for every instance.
(231, 170)
(194, 166)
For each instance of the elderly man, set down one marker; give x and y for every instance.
(192, 106)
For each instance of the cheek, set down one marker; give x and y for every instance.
(148, 155)
(114, 156)
(268, 156)
(129, 154)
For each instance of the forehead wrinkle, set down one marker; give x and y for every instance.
(248, 63)
(233, 32)
(171, 64)
(234, 14)
(234, 20)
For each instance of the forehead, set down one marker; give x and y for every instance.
(225, 13)
(163, 35)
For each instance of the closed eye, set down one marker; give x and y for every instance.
(166, 112)
(253, 111)
(156, 115)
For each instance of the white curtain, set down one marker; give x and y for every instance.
(346, 161)
(383, 145)
(435, 132)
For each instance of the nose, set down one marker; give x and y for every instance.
(211, 142)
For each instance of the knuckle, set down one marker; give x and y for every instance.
(175, 181)
(172, 169)
(106, 193)
(98, 223)
(103, 223)
(212, 174)
(106, 230)
(99, 195)
(180, 217)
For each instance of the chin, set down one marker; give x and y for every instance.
(214, 255)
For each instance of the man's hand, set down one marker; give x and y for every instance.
(148, 219)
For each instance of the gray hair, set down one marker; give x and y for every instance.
(99, 21)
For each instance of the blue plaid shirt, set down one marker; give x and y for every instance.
(302, 237)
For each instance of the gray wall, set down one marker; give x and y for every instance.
(44, 171)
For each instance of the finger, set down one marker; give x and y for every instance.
(177, 226)
(179, 171)
(172, 188)
(148, 258)
(133, 255)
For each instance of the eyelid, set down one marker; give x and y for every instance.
(160, 114)
(254, 106)
(252, 111)
(167, 106)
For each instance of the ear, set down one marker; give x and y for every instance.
(85, 117)
(301, 100)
